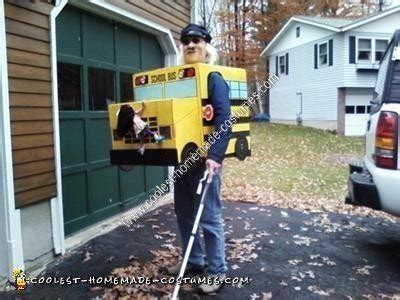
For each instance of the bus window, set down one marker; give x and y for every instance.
(243, 90)
(152, 92)
(181, 88)
(234, 90)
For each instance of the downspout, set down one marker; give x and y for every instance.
(10, 219)
(299, 116)
(194, 11)
(56, 204)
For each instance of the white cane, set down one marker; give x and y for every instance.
(207, 176)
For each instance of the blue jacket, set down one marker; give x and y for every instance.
(219, 98)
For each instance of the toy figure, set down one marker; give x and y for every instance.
(129, 119)
(20, 280)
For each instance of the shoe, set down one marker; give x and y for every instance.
(158, 138)
(190, 269)
(141, 150)
(216, 283)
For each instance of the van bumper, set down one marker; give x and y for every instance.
(362, 190)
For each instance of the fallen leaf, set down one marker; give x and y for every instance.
(88, 256)
(295, 262)
(254, 296)
(266, 296)
(316, 290)
(283, 283)
(284, 214)
(363, 270)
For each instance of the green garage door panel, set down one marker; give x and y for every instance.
(92, 188)
(69, 32)
(127, 46)
(132, 184)
(72, 135)
(151, 53)
(75, 197)
(154, 175)
(98, 38)
(103, 188)
(99, 140)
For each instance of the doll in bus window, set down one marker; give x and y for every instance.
(129, 119)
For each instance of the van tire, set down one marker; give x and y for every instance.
(241, 147)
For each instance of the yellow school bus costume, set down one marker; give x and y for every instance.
(178, 107)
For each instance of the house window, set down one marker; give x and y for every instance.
(380, 47)
(126, 87)
(360, 109)
(101, 88)
(298, 31)
(69, 86)
(282, 66)
(350, 109)
(323, 54)
(364, 49)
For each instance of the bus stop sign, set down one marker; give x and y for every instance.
(208, 112)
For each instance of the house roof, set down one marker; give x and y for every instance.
(333, 24)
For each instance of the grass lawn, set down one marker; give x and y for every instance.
(292, 164)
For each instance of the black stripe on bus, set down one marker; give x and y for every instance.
(233, 135)
(237, 134)
(237, 102)
(234, 102)
(240, 120)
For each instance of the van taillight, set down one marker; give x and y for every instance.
(386, 142)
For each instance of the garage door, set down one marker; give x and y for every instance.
(96, 59)
(357, 111)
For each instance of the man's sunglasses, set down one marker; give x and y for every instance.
(186, 40)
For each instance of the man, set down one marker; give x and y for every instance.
(196, 48)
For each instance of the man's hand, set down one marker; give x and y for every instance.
(212, 166)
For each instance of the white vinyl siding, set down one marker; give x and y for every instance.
(318, 86)
(308, 34)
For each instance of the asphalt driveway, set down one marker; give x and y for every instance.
(285, 253)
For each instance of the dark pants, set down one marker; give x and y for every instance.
(186, 206)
